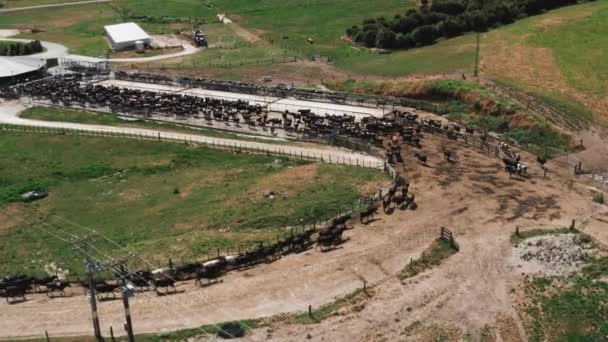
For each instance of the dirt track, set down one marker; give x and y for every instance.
(474, 197)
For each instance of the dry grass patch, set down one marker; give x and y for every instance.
(290, 180)
(9, 218)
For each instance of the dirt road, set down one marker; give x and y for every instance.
(474, 197)
(73, 3)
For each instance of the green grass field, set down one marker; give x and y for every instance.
(157, 199)
(581, 59)
(78, 27)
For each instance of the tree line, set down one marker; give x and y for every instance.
(20, 49)
(446, 19)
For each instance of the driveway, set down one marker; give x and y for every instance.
(188, 50)
(54, 50)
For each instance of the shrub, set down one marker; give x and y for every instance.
(452, 27)
(425, 35)
(369, 38)
(385, 39)
(452, 18)
(598, 198)
(448, 7)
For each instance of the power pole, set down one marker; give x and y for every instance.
(476, 72)
(118, 267)
(126, 292)
(91, 267)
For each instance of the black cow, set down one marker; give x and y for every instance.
(166, 283)
(11, 292)
(56, 286)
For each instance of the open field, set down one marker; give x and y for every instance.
(154, 197)
(80, 28)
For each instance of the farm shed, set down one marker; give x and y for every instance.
(126, 36)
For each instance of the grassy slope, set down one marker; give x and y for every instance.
(79, 27)
(580, 47)
(326, 22)
(169, 8)
(557, 56)
(126, 189)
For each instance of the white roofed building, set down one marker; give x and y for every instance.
(16, 66)
(19, 68)
(126, 36)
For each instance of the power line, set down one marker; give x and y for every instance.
(113, 261)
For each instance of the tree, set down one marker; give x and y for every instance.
(385, 39)
(409, 23)
(477, 21)
(22, 50)
(448, 7)
(451, 27)
(27, 49)
(425, 35)
(404, 41)
(37, 46)
(358, 38)
(369, 38)
(352, 31)
(432, 18)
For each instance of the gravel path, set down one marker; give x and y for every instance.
(51, 5)
(9, 114)
(188, 50)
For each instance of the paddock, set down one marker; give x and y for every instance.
(274, 104)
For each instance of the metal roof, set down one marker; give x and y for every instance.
(13, 66)
(126, 32)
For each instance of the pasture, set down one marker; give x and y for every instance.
(79, 27)
(157, 199)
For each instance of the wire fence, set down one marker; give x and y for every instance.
(297, 93)
(222, 144)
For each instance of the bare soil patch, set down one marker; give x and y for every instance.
(553, 255)
(289, 181)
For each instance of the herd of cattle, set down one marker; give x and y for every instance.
(402, 128)
(14, 289)
(71, 91)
